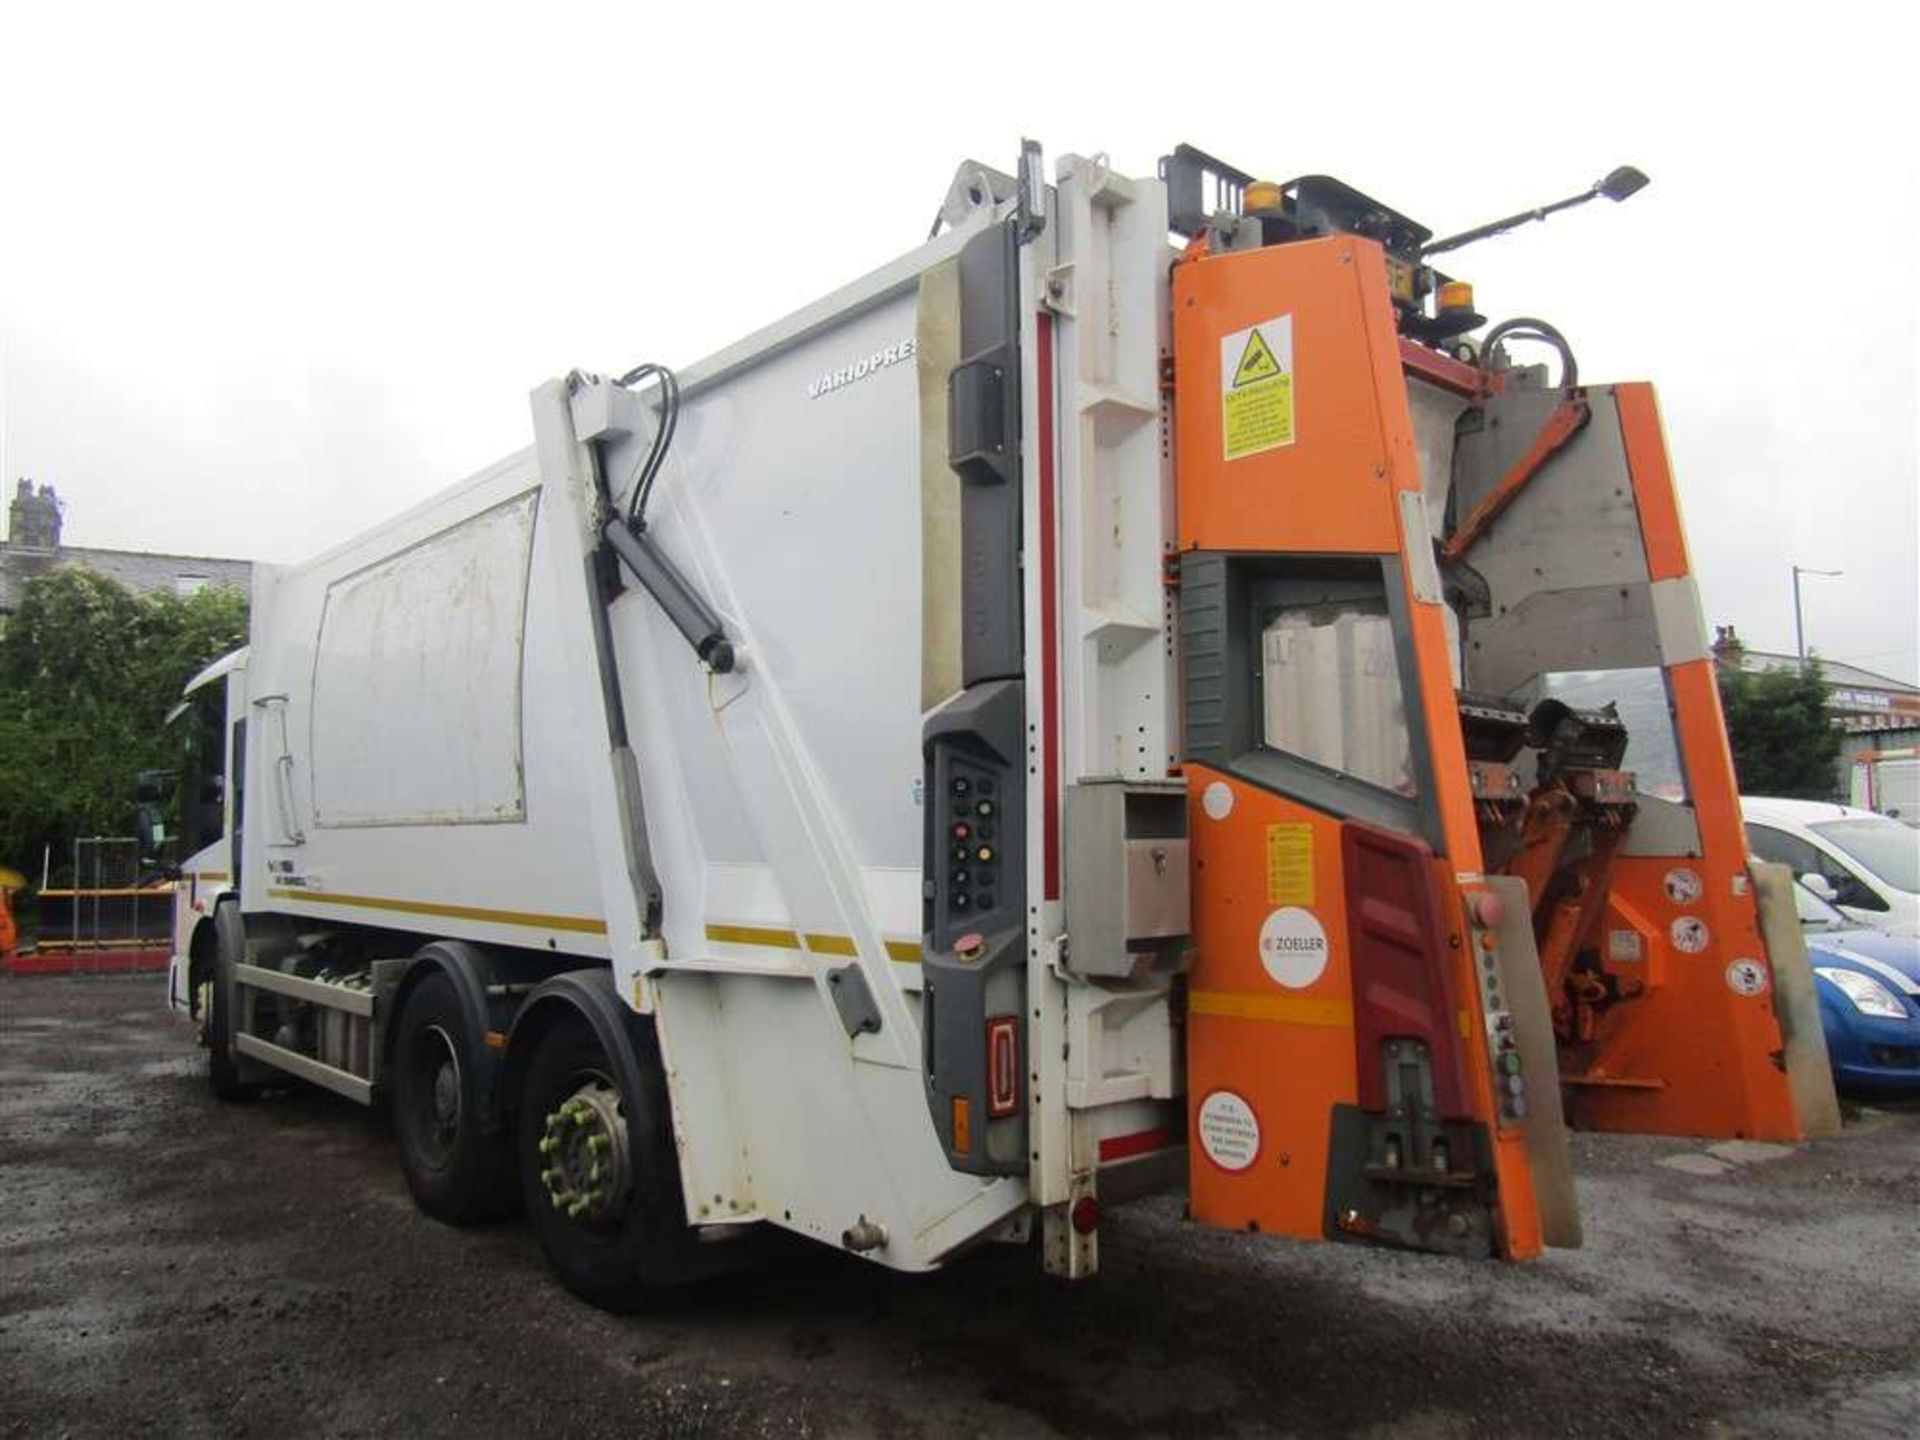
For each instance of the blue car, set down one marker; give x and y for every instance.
(1869, 987)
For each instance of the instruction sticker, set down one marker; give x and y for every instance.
(1229, 1130)
(1689, 934)
(1256, 387)
(1746, 977)
(1289, 864)
(1683, 885)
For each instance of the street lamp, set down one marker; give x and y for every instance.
(1616, 185)
(1799, 626)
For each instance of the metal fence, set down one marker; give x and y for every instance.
(106, 911)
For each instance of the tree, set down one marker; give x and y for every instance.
(1784, 741)
(88, 672)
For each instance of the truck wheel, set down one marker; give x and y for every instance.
(601, 1210)
(216, 1021)
(456, 1170)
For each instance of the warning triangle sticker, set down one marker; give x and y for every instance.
(1256, 363)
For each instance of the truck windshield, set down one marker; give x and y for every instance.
(1886, 847)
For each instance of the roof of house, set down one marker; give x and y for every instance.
(1834, 672)
(141, 571)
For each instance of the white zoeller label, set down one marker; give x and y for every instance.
(1293, 947)
(1229, 1130)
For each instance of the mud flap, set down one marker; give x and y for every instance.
(1795, 1002)
(1525, 989)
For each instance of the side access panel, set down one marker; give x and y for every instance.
(1347, 1049)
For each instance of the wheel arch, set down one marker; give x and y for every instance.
(674, 1253)
(627, 1040)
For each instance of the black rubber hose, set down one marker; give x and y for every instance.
(662, 437)
(1525, 327)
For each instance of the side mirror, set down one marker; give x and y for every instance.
(1819, 885)
(151, 831)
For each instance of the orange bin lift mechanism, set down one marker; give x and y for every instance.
(1660, 980)
(1339, 1083)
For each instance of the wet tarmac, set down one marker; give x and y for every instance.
(173, 1266)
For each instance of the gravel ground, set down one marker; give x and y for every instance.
(172, 1265)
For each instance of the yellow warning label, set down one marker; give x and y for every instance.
(1256, 362)
(1256, 369)
(1290, 865)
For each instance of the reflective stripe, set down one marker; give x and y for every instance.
(903, 952)
(1238, 1006)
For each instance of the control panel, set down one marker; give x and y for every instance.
(974, 870)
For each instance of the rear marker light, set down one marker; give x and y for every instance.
(1003, 1066)
(1085, 1215)
(962, 1126)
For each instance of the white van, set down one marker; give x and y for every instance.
(1887, 782)
(1867, 864)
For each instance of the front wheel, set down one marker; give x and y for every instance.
(606, 1210)
(216, 1005)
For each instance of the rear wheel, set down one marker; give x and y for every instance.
(604, 1208)
(457, 1171)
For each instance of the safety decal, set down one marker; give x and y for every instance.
(1289, 864)
(1625, 945)
(1746, 977)
(1256, 387)
(1689, 934)
(1293, 947)
(1683, 885)
(1217, 800)
(1229, 1131)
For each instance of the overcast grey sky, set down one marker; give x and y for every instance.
(268, 274)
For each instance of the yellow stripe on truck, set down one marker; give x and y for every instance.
(904, 952)
(1237, 1006)
(577, 924)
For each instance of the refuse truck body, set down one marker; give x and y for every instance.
(1120, 698)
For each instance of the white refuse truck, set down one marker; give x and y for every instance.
(775, 798)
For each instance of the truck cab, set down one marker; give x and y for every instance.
(210, 725)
